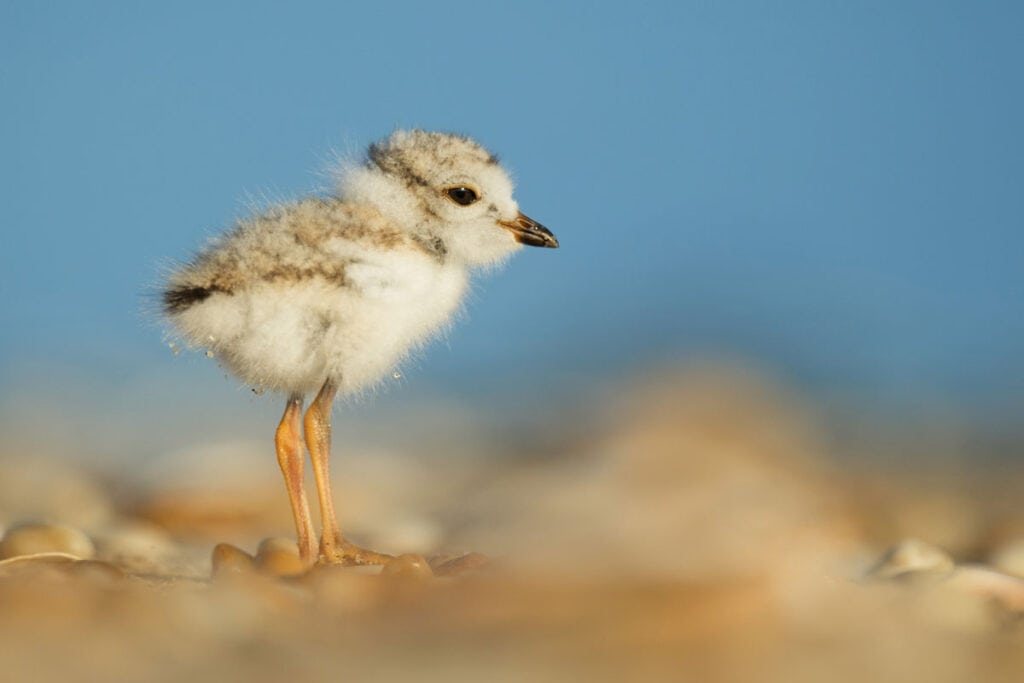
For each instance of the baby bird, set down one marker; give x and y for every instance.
(328, 294)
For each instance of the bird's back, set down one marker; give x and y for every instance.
(313, 289)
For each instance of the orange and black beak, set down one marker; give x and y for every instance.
(530, 232)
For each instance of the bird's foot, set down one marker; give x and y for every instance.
(349, 554)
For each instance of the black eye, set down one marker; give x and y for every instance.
(462, 195)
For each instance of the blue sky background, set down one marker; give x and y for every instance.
(831, 191)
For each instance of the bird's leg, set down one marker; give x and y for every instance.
(333, 547)
(289, 456)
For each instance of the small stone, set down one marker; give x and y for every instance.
(137, 547)
(461, 564)
(913, 558)
(27, 564)
(1009, 557)
(33, 539)
(408, 566)
(984, 582)
(279, 557)
(276, 543)
(229, 560)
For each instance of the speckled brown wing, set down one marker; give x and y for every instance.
(289, 243)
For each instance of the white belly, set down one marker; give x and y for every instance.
(291, 337)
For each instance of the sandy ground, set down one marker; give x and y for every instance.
(699, 526)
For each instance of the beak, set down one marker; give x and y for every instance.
(530, 232)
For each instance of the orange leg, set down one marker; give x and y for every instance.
(333, 547)
(289, 457)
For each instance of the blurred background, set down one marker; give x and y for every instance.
(831, 194)
(792, 239)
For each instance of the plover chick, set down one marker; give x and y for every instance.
(328, 294)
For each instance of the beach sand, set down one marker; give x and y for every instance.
(700, 525)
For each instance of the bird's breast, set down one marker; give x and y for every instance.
(405, 281)
(394, 304)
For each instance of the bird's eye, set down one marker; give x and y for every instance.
(462, 195)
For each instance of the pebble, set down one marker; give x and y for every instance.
(279, 557)
(228, 560)
(916, 560)
(137, 547)
(25, 564)
(913, 557)
(1009, 557)
(408, 566)
(60, 565)
(33, 539)
(985, 582)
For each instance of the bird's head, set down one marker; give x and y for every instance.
(448, 190)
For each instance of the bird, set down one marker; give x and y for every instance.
(326, 294)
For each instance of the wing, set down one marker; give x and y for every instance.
(312, 238)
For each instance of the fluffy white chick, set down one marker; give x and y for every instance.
(328, 294)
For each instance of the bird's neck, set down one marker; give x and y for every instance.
(432, 245)
(389, 196)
